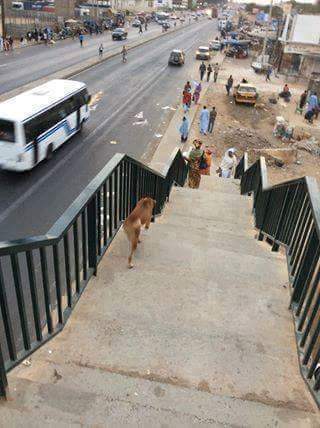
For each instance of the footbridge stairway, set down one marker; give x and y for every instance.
(198, 332)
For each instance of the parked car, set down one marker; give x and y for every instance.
(177, 57)
(215, 45)
(260, 67)
(203, 53)
(136, 23)
(245, 93)
(119, 34)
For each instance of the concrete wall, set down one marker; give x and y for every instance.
(306, 29)
(133, 5)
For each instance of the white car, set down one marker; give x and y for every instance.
(203, 53)
(215, 45)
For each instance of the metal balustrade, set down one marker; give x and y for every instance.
(288, 215)
(43, 277)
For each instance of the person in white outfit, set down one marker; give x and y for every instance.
(228, 164)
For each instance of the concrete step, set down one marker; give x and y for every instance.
(197, 333)
(216, 184)
(213, 205)
(72, 396)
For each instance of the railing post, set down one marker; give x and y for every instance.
(134, 186)
(3, 378)
(92, 235)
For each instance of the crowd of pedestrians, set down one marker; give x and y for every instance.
(199, 157)
(207, 70)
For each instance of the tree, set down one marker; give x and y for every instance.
(250, 7)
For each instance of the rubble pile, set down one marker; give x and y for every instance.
(243, 138)
(276, 156)
(310, 145)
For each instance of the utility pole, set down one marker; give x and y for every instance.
(3, 19)
(266, 36)
(97, 9)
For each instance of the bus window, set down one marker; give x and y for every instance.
(45, 121)
(6, 131)
(31, 131)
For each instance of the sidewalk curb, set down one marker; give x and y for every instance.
(168, 145)
(68, 72)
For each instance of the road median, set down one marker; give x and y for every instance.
(71, 71)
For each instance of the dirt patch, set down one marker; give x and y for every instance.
(148, 375)
(204, 386)
(249, 128)
(265, 399)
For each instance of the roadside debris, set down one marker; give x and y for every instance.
(141, 122)
(56, 375)
(311, 145)
(27, 363)
(282, 129)
(94, 100)
(168, 108)
(277, 157)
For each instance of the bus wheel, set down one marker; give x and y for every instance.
(49, 152)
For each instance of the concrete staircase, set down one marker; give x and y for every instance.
(197, 334)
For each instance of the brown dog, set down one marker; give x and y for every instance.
(140, 216)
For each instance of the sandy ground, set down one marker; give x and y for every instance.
(246, 127)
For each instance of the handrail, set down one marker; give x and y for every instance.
(242, 166)
(288, 214)
(67, 218)
(42, 277)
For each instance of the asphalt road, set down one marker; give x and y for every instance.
(24, 65)
(31, 202)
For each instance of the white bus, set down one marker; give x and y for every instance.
(37, 122)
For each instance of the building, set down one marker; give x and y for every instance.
(180, 4)
(300, 45)
(116, 5)
(65, 8)
(160, 4)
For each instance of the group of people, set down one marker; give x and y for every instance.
(308, 101)
(207, 118)
(199, 163)
(188, 96)
(203, 69)
(6, 44)
(199, 159)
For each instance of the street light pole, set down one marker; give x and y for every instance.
(266, 36)
(3, 19)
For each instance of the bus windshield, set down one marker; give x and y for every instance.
(6, 131)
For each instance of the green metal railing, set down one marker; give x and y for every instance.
(288, 215)
(43, 277)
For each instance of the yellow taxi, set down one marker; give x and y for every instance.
(245, 93)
